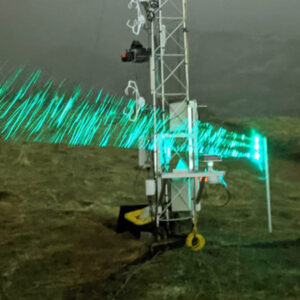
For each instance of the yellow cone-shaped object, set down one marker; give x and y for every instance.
(139, 217)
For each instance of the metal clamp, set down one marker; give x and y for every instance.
(137, 24)
(140, 101)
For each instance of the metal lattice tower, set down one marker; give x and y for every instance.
(174, 191)
(169, 67)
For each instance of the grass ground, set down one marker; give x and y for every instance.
(58, 208)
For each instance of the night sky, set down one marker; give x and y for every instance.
(244, 53)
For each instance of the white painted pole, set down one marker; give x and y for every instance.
(267, 180)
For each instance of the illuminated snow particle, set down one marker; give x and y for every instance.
(257, 156)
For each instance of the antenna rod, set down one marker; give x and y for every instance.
(267, 180)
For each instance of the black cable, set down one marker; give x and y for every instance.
(201, 189)
(228, 197)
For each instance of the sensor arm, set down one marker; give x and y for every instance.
(136, 24)
(140, 101)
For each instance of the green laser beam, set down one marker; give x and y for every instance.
(36, 112)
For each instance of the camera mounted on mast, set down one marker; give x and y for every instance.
(136, 53)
